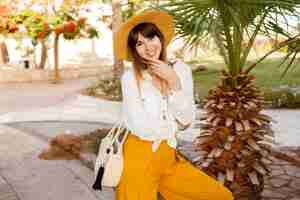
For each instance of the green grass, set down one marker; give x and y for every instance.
(268, 75)
(204, 81)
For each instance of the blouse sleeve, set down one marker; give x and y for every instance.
(136, 116)
(181, 103)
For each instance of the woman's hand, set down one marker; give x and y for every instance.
(165, 72)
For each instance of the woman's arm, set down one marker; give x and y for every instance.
(181, 98)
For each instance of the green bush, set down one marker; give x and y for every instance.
(109, 89)
(93, 139)
(284, 97)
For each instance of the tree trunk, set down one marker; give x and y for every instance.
(35, 66)
(56, 76)
(4, 57)
(93, 47)
(43, 55)
(116, 23)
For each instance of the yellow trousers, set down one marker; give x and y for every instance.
(146, 173)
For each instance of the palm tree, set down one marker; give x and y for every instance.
(236, 138)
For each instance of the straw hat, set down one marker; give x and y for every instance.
(161, 19)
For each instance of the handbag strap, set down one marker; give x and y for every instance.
(112, 131)
(118, 128)
(120, 147)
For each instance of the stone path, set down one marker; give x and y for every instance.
(17, 97)
(24, 176)
(284, 182)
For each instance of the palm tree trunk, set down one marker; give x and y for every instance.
(116, 22)
(56, 77)
(236, 138)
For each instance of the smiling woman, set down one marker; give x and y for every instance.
(158, 104)
(147, 38)
(147, 45)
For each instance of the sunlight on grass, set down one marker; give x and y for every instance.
(268, 75)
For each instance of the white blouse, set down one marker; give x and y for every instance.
(152, 117)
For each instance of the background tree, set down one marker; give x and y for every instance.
(132, 7)
(236, 137)
(51, 20)
(116, 23)
(7, 27)
(38, 29)
(70, 26)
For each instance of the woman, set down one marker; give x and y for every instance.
(157, 102)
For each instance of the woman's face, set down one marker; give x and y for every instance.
(148, 47)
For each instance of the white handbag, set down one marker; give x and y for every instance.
(109, 162)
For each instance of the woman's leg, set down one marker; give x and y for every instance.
(183, 181)
(137, 181)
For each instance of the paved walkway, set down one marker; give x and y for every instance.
(284, 181)
(28, 96)
(24, 177)
(87, 109)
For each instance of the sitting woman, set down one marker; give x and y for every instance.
(157, 102)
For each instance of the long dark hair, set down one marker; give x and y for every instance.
(148, 30)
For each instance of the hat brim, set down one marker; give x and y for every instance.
(161, 19)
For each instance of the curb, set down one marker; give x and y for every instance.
(88, 160)
(6, 191)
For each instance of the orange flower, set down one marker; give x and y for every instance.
(41, 35)
(46, 27)
(81, 21)
(13, 28)
(59, 29)
(70, 26)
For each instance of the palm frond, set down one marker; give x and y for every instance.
(234, 22)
